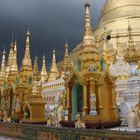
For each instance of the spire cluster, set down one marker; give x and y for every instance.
(131, 53)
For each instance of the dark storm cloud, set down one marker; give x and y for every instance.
(50, 22)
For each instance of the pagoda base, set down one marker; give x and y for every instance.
(34, 121)
(92, 125)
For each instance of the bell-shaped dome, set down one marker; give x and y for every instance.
(115, 17)
(117, 9)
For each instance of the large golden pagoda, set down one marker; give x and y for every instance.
(114, 18)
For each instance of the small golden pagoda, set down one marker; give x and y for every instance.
(34, 106)
(90, 91)
(15, 82)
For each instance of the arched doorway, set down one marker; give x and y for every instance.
(77, 100)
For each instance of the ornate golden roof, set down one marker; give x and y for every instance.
(131, 53)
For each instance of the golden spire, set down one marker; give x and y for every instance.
(66, 50)
(131, 53)
(10, 59)
(54, 71)
(27, 59)
(89, 55)
(26, 67)
(3, 70)
(44, 75)
(36, 71)
(66, 62)
(88, 30)
(13, 73)
(14, 66)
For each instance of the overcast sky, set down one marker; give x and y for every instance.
(49, 21)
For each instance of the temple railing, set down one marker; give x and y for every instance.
(39, 132)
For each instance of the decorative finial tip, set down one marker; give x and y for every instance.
(36, 58)
(28, 32)
(54, 51)
(4, 52)
(15, 43)
(43, 56)
(87, 3)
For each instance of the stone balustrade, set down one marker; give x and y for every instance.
(40, 132)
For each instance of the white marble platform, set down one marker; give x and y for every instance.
(7, 138)
(126, 129)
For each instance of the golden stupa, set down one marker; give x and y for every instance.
(114, 19)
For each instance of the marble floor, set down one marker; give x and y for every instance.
(8, 138)
(126, 129)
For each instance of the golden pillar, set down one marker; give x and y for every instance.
(68, 102)
(85, 107)
(100, 106)
(113, 97)
(14, 101)
(92, 86)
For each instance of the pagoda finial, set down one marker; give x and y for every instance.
(88, 30)
(54, 71)
(28, 32)
(44, 75)
(66, 50)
